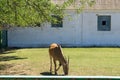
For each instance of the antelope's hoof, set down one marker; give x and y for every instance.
(50, 71)
(55, 73)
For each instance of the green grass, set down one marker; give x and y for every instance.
(83, 61)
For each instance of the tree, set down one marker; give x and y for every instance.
(34, 12)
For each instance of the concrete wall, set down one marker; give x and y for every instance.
(93, 37)
(68, 35)
(77, 30)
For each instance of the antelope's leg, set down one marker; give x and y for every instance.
(59, 66)
(55, 67)
(51, 64)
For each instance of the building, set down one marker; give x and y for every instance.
(95, 26)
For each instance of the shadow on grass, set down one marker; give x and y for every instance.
(49, 74)
(8, 58)
(8, 50)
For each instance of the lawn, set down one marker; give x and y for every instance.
(83, 61)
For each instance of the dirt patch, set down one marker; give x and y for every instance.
(15, 69)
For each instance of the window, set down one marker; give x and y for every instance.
(57, 22)
(104, 23)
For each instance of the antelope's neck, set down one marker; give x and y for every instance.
(63, 61)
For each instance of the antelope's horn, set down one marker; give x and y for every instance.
(68, 59)
(65, 58)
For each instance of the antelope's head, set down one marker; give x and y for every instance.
(66, 67)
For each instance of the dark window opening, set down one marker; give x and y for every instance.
(103, 23)
(57, 21)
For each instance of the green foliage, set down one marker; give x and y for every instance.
(25, 12)
(32, 12)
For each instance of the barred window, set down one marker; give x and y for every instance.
(104, 23)
(58, 21)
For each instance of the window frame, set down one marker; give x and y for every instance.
(107, 25)
(58, 23)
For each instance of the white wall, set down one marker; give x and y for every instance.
(93, 37)
(79, 30)
(68, 35)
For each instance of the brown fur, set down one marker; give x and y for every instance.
(55, 53)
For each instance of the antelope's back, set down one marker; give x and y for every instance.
(55, 51)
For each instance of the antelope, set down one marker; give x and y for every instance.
(55, 53)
